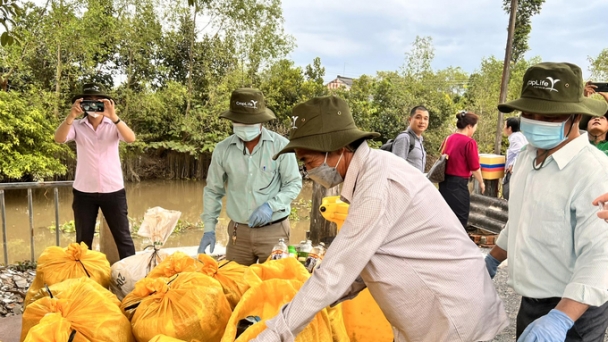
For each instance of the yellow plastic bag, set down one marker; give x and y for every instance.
(188, 306)
(58, 290)
(265, 300)
(288, 268)
(229, 273)
(364, 320)
(336, 320)
(57, 264)
(175, 263)
(89, 310)
(52, 328)
(164, 338)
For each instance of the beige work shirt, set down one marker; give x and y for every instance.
(408, 247)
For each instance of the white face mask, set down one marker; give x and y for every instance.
(246, 132)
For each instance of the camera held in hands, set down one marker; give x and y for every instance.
(92, 106)
(601, 87)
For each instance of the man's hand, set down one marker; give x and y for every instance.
(108, 109)
(491, 265)
(482, 187)
(552, 327)
(603, 213)
(589, 89)
(207, 240)
(261, 216)
(75, 112)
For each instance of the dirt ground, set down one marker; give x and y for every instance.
(511, 302)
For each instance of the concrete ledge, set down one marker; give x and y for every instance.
(10, 329)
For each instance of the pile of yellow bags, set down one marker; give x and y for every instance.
(181, 299)
(272, 285)
(187, 306)
(57, 264)
(76, 306)
(165, 338)
(228, 273)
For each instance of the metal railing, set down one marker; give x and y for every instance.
(29, 186)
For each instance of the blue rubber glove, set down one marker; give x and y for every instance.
(491, 265)
(207, 240)
(551, 327)
(261, 216)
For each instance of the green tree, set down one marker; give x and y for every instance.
(26, 140)
(9, 11)
(482, 93)
(599, 66)
(526, 9)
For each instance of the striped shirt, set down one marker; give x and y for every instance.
(403, 240)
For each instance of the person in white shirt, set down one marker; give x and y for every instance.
(557, 248)
(401, 240)
(516, 142)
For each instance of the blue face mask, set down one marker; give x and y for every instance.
(246, 132)
(543, 135)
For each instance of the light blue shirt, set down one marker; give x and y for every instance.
(516, 142)
(250, 179)
(556, 244)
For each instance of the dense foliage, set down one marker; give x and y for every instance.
(171, 67)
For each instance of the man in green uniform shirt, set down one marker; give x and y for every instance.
(258, 189)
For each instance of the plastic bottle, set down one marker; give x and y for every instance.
(292, 252)
(279, 251)
(314, 257)
(305, 248)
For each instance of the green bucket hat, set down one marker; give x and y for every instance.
(92, 89)
(323, 124)
(555, 89)
(248, 106)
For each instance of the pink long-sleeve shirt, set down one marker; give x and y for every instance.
(98, 167)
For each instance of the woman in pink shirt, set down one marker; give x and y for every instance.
(98, 182)
(463, 160)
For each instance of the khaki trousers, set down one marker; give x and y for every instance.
(254, 245)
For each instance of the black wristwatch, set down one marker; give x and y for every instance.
(117, 121)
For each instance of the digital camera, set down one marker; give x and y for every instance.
(91, 106)
(602, 87)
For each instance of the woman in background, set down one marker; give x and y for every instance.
(463, 161)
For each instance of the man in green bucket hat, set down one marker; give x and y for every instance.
(557, 248)
(259, 189)
(400, 239)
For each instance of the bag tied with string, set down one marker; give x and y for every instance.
(157, 226)
(82, 309)
(187, 306)
(229, 273)
(57, 264)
